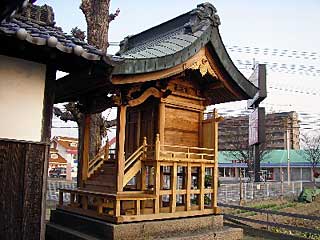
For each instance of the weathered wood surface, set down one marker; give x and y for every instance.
(21, 167)
(182, 127)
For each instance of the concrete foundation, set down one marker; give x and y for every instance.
(65, 225)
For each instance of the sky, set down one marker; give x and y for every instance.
(283, 34)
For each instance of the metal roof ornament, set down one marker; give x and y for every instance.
(204, 67)
(203, 15)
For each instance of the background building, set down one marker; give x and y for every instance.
(56, 160)
(282, 130)
(272, 165)
(67, 148)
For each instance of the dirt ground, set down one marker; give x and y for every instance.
(290, 206)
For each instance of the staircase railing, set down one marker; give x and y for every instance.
(134, 163)
(94, 164)
(136, 156)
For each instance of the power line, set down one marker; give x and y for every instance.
(301, 69)
(275, 52)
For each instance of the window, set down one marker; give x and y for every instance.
(54, 156)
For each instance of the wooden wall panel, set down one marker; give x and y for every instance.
(11, 190)
(181, 127)
(33, 171)
(21, 168)
(181, 138)
(207, 134)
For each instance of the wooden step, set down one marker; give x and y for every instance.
(107, 169)
(104, 177)
(102, 174)
(99, 188)
(100, 183)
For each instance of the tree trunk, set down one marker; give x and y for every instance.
(97, 17)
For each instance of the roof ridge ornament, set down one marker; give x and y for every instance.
(204, 14)
(42, 15)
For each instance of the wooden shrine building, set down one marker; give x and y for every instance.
(165, 162)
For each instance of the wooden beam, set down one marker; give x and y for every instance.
(152, 91)
(201, 115)
(215, 85)
(157, 186)
(162, 119)
(48, 101)
(174, 187)
(86, 146)
(188, 197)
(84, 202)
(117, 208)
(121, 145)
(70, 87)
(138, 207)
(143, 177)
(202, 179)
(215, 168)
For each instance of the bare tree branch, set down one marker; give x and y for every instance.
(311, 152)
(241, 152)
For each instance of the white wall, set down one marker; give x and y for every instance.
(21, 98)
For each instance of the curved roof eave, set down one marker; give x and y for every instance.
(206, 34)
(223, 57)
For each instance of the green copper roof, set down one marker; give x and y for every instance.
(273, 157)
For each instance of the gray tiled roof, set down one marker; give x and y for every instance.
(174, 42)
(162, 46)
(168, 44)
(51, 36)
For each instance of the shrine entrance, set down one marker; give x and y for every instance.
(142, 121)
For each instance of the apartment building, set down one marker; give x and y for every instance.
(282, 132)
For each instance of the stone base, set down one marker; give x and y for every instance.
(65, 225)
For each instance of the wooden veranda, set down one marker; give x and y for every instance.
(167, 181)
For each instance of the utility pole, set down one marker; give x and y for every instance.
(288, 154)
(257, 117)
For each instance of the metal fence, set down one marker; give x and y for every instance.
(54, 186)
(227, 193)
(250, 191)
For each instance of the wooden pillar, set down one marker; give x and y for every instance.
(188, 197)
(48, 102)
(121, 141)
(202, 179)
(117, 208)
(215, 168)
(157, 186)
(162, 119)
(156, 180)
(86, 146)
(201, 117)
(143, 177)
(138, 207)
(174, 187)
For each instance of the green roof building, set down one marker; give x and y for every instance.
(271, 166)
